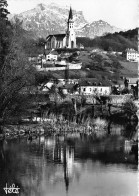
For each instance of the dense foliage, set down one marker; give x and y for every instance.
(116, 42)
(129, 108)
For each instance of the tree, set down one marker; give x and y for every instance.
(5, 31)
(110, 49)
(15, 71)
(129, 108)
(3, 11)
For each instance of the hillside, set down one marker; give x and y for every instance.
(105, 68)
(116, 41)
(52, 18)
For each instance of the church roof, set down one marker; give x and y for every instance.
(54, 52)
(57, 36)
(70, 14)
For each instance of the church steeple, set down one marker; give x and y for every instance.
(70, 14)
(71, 37)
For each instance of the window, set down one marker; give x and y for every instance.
(83, 89)
(53, 44)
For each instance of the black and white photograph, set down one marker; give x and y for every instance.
(69, 97)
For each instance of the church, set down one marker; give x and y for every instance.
(67, 40)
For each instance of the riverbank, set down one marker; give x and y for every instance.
(55, 127)
(96, 130)
(97, 127)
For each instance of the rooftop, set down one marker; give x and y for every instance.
(57, 36)
(132, 80)
(93, 82)
(131, 50)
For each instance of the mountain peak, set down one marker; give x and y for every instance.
(52, 18)
(41, 6)
(101, 21)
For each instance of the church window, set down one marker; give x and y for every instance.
(53, 44)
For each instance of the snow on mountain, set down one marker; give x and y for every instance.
(52, 18)
(97, 28)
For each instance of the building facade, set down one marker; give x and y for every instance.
(95, 90)
(132, 55)
(52, 56)
(67, 40)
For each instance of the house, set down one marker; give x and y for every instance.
(67, 40)
(67, 88)
(70, 81)
(52, 56)
(46, 87)
(33, 59)
(132, 81)
(131, 55)
(63, 62)
(98, 50)
(95, 90)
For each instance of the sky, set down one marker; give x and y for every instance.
(120, 13)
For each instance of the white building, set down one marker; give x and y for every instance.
(52, 56)
(95, 90)
(70, 81)
(70, 67)
(67, 40)
(132, 55)
(132, 81)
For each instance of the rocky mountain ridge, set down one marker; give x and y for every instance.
(52, 18)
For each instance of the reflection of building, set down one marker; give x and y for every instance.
(127, 146)
(63, 40)
(65, 156)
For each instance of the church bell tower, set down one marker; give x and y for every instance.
(71, 37)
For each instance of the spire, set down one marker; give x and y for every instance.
(70, 14)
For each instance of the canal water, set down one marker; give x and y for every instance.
(75, 165)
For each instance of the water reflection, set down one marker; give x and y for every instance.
(76, 164)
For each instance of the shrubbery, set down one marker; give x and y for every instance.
(129, 108)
